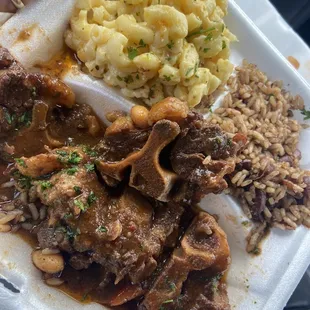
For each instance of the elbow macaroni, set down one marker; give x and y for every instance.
(152, 50)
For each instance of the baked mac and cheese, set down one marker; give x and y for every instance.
(152, 49)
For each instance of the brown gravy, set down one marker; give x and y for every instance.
(60, 64)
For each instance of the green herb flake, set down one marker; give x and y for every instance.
(170, 45)
(205, 50)
(119, 78)
(189, 71)
(72, 171)
(77, 189)
(168, 301)
(167, 78)
(306, 114)
(223, 28)
(200, 31)
(71, 233)
(102, 229)
(128, 79)
(224, 45)
(91, 198)
(256, 251)
(90, 167)
(46, 185)
(209, 37)
(171, 285)
(132, 53)
(74, 158)
(9, 117)
(245, 223)
(67, 216)
(141, 43)
(25, 118)
(84, 297)
(87, 150)
(23, 181)
(61, 153)
(20, 162)
(80, 205)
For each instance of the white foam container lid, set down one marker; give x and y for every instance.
(264, 282)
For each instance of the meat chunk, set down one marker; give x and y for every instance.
(43, 164)
(147, 174)
(123, 232)
(204, 248)
(200, 158)
(198, 136)
(8, 61)
(202, 155)
(118, 146)
(19, 90)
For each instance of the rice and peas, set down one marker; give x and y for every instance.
(268, 182)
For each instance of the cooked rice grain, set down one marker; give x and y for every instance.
(262, 110)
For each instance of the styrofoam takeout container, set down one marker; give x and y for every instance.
(264, 282)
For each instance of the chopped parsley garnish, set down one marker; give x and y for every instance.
(171, 284)
(200, 31)
(215, 282)
(84, 297)
(170, 45)
(25, 119)
(84, 206)
(74, 158)
(102, 229)
(141, 43)
(256, 251)
(91, 198)
(90, 167)
(189, 71)
(71, 158)
(71, 234)
(23, 181)
(132, 53)
(77, 189)
(61, 153)
(67, 216)
(119, 78)
(46, 185)
(87, 150)
(167, 78)
(128, 79)
(205, 50)
(209, 37)
(306, 114)
(168, 301)
(9, 117)
(245, 223)
(21, 162)
(224, 44)
(80, 205)
(72, 171)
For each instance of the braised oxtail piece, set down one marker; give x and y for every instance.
(181, 160)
